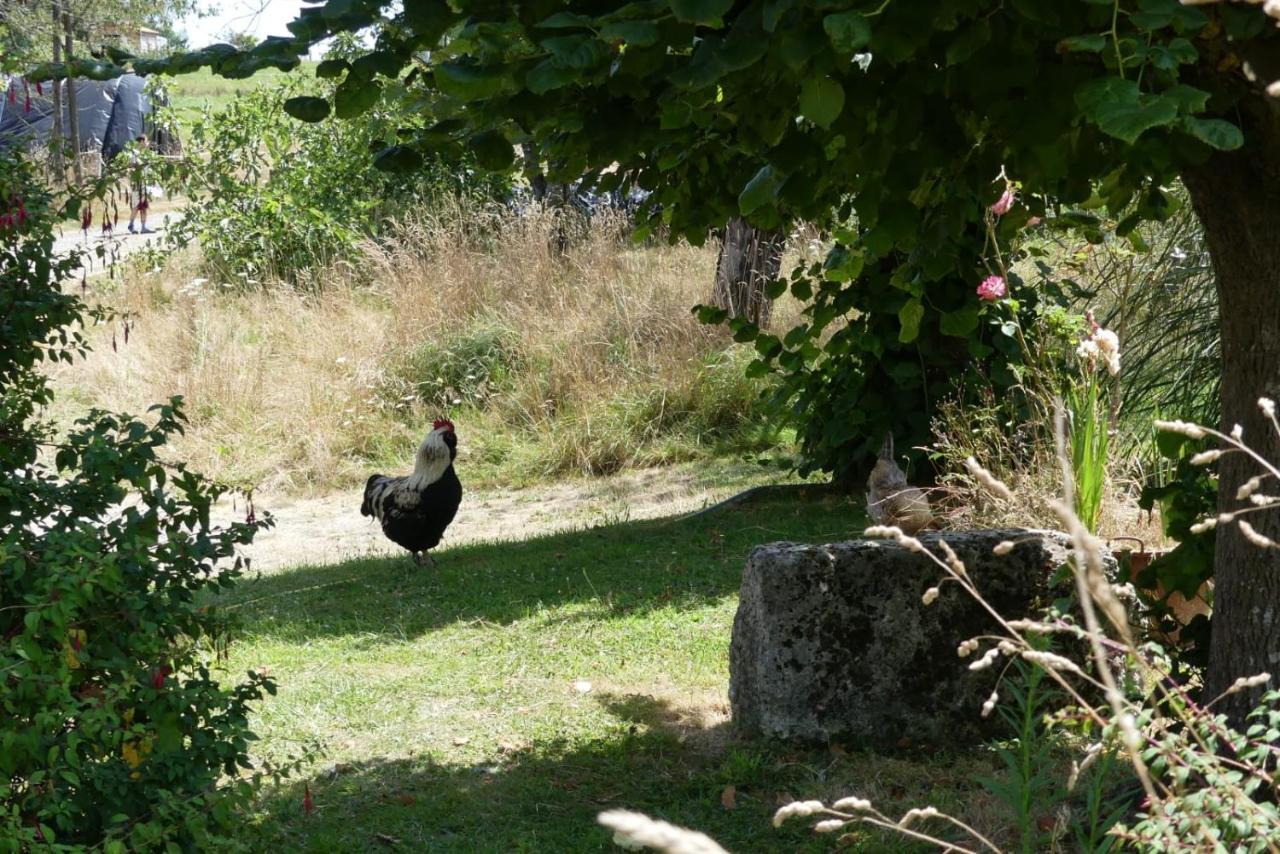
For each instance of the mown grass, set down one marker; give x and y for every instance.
(451, 716)
(190, 94)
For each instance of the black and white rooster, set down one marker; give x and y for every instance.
(415, 510)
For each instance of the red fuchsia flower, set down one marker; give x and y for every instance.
(1004, 203)
(306, 799)
(86, 218)
(158, 676)
(992, 288)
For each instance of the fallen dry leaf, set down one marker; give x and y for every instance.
(461, 740)
(729, 798)
(582, 686)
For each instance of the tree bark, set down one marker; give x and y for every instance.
(1237, 197)
(56, 150)
(749, 259)
(73, 110)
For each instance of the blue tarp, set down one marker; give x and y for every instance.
(111, 112)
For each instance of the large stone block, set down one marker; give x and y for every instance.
(833, 641)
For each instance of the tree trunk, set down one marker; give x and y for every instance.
(56, 152)
(73, 110)
(1237, 197)
(749, 259)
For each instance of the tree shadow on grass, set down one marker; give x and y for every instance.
(545, 797)
(617, 569)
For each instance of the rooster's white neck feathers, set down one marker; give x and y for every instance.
(431, 461)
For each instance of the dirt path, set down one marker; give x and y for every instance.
(115, 247)
(330, 528)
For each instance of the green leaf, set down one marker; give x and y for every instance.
(471, 82)
(706, 12)
(398, 158)
(910, 315)
(634, 33)
(709, 314)
(961, 323)
(743, 330)
(547, 75)
(821, 100)
(95, 69)
(577, 51)
(1188, 99)
(969, 42)
(493, 151)
(849, 32)
(1093, 43)
(355, 97)
(1217, 133)
(307, 109)
(1119, 109)
(761, 191)
(565, 21)
(331, 68)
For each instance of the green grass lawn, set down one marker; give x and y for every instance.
(190, 93)
(454, 716)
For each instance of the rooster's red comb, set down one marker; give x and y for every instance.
(442, 422)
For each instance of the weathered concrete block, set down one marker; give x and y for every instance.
(832, 641)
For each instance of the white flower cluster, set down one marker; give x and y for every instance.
(1103, 345)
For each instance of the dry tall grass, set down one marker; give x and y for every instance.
(581, 364)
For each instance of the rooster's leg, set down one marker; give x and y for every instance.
(431, 562)
(417, 558)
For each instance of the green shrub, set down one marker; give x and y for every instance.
(116, 732)
(463, 369)
(271, 197)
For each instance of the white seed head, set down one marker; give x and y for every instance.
(1252, 535)
(1248, 487)
(1237, 432)
(631, 829)
(1205, 525)
(797, 809)
(988, 480)
(987, 659)
(1002, 548)
(920, 812)
(830, 825)
(1205, 457)
(967, 648)
(1191, 431)
(989, 706)
(1108, 342)
(852, 805)
(1050, 661)
(930, 596)
(1129, 730)
(1268, 406)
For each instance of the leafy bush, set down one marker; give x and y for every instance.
(116, 731)
(271, 197)
(463, 368)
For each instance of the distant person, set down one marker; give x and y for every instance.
(138, 182)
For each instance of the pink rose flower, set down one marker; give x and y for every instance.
(992, 288)
(1004, 203)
